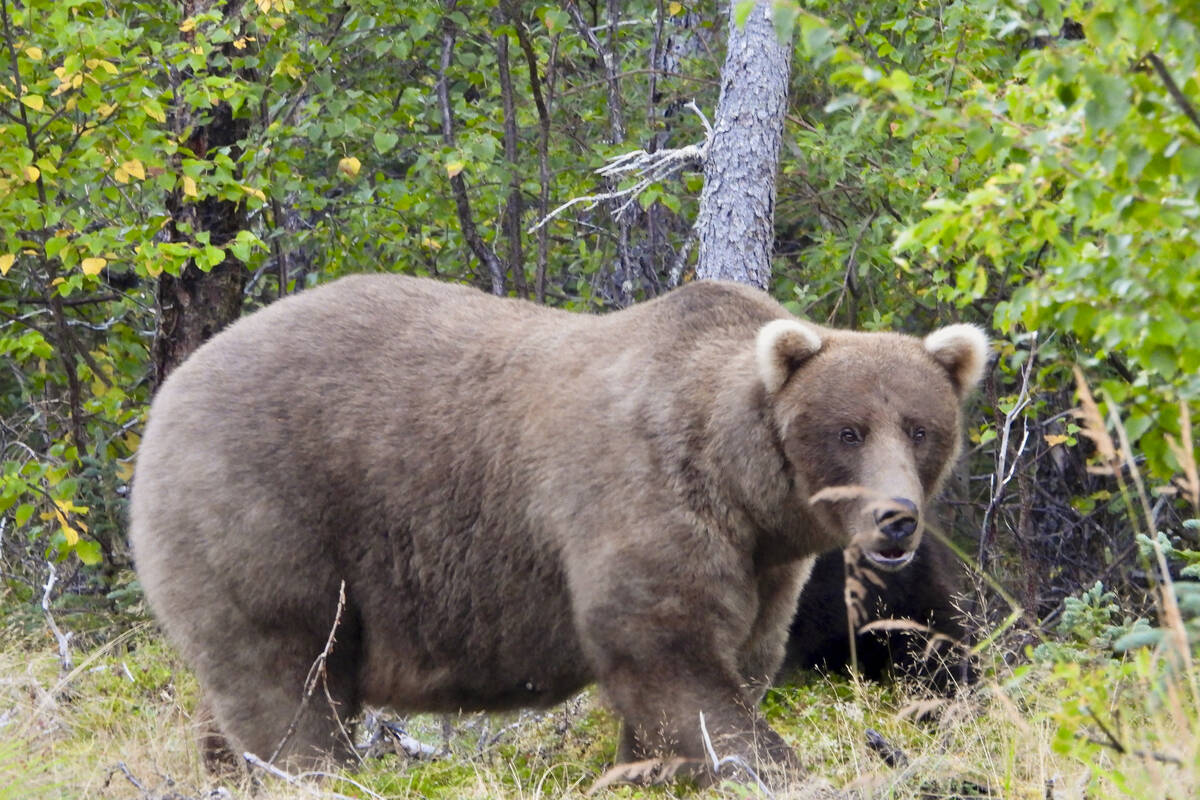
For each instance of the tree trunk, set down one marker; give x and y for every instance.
(735, 225)
(196, 304)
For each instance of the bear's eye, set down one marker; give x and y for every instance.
(918, 434)
(850, 436)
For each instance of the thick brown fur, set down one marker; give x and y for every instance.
(521, 501)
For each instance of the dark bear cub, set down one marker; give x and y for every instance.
(933, 652)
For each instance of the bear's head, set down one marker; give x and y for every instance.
(870, 424)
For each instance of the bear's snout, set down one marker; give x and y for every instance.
(898, 522)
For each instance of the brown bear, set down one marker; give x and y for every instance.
(925, 592)
(520, 501)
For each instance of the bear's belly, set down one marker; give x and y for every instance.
(473, 678)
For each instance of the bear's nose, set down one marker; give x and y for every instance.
(899, 521)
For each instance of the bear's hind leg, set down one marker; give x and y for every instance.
(282, 702)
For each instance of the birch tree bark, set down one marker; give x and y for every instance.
(735, 225)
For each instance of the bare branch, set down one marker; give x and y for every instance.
(735, 760)
(458, 185)
(1173, 88)
(71, 301)
(300, 780)
(513, 206)
(512, 14)
(410, 746)
(649, 168)
(64, 640)
(616, 124)
(1004, 472)
(317, 674)
(892, 756)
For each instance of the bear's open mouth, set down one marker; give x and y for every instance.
(891, 559)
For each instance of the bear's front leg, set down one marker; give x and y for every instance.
(762, 654)
(665, 649)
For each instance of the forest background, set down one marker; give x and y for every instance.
(1030, 166)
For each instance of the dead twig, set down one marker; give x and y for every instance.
(300, 781)
(1004, 472)
(458, 186)
(1173, 89)
(317, 673)
(735, 760)
(64, 640)
(1111, 741)
(892, 756)
(648, 168)
(406, 744)
(124, 770)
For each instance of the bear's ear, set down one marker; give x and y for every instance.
(782, 346)
(963, 351)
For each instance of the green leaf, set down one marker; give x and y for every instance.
(89, 552)
(384, 141)
(23, 513)
(1110, 99)
(784, 13)
(741, 12)
(556, 20)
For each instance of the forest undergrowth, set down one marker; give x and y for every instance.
(1071, 722)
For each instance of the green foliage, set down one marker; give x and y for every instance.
(1056, 178)
(1092, 626)
(343, 168)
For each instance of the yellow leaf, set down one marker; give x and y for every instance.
(65, 86)
(57, 281)
(69, 532)
(258, 193)
(34, 101)
(349, 166)
(124, 470)
(263, 5)
(189, 186)
(154, 112)
(92, 266)
(240, 43)
(6, 262)
(454, 167)
(188, 24)
(32, 173)
(106, 109)
(120, 175)
(134, 167)
(1053, 439)
(674, 8)
(34, 52)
